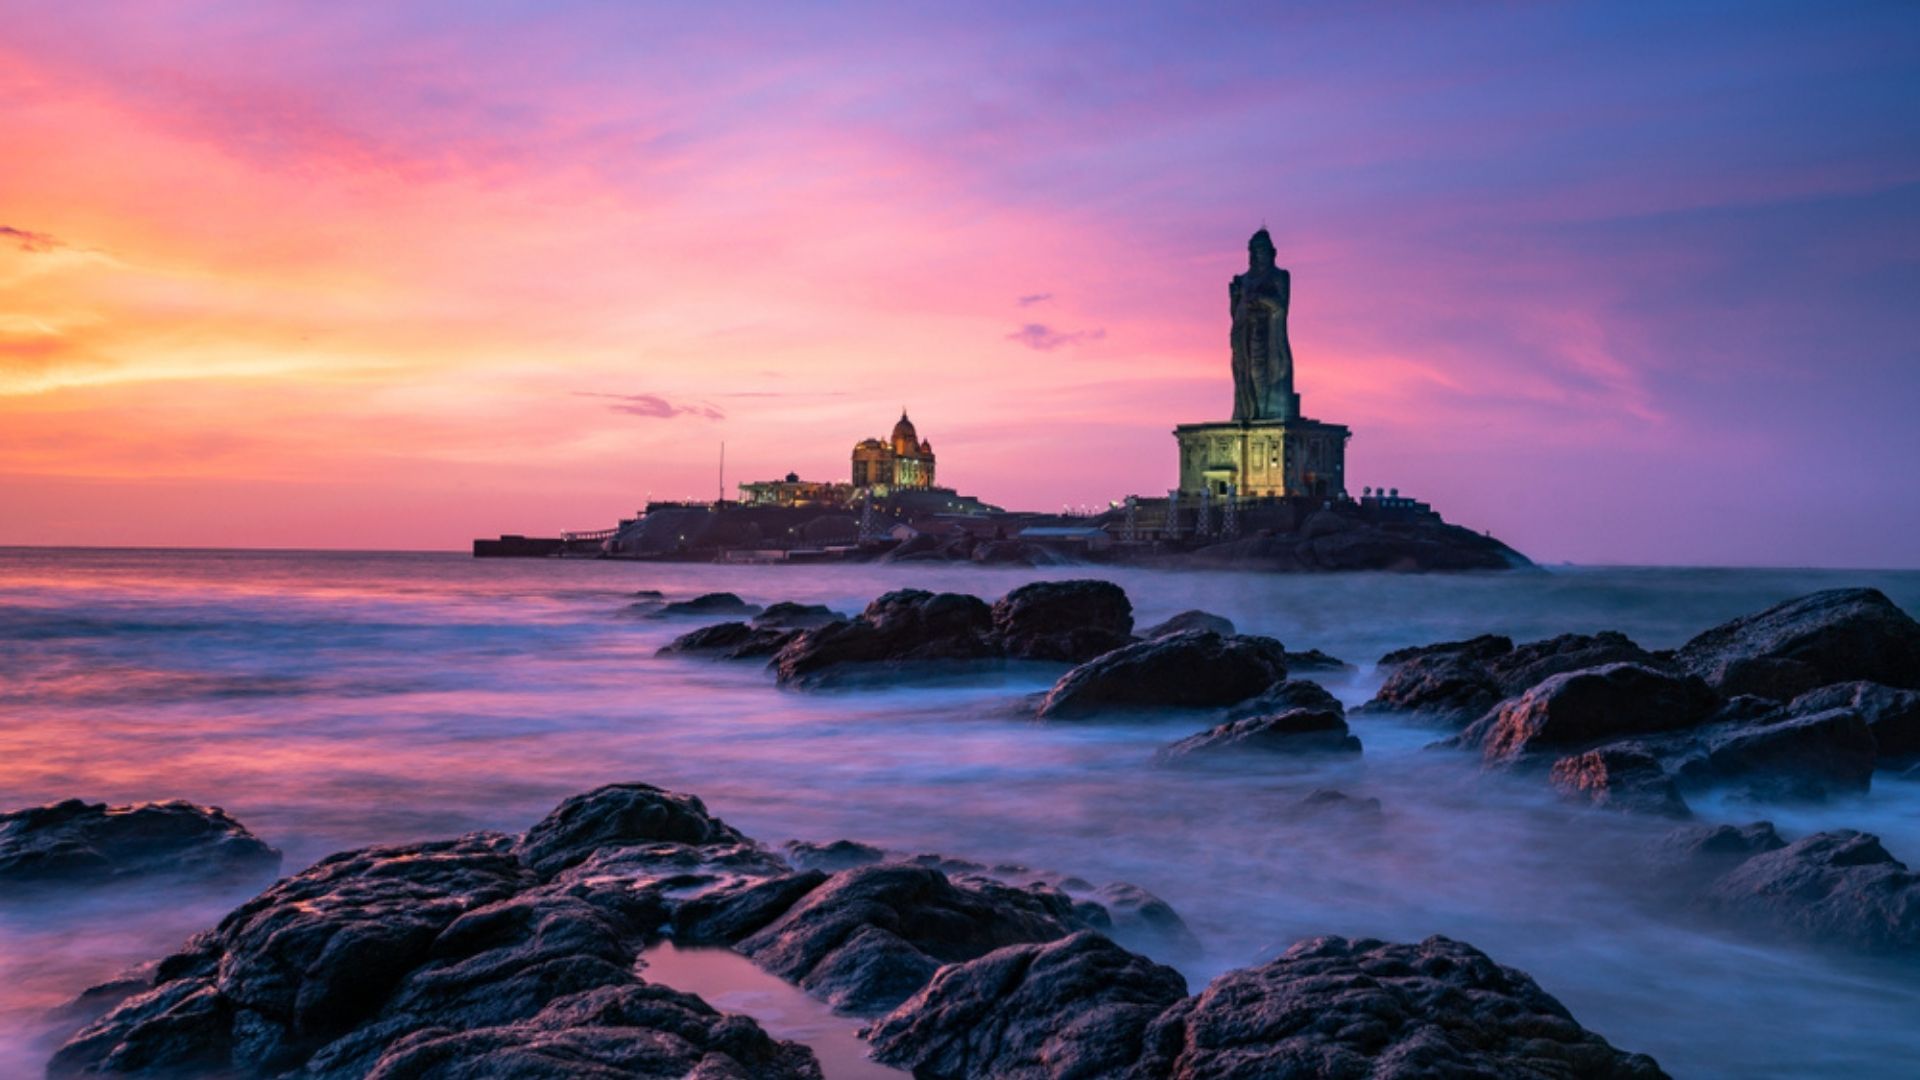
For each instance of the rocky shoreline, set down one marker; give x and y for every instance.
(500, 954)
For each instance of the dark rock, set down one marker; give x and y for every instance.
(728, 914)
(1893, 716)
(1697, 854)
(82, 843)
(633, 1030)
(648, 594)
(1287, 696)
(1745, 709)
(1070, 1008)
(1798, 757)
(1622, 776)
(1840, 635)
(1193, 670)
(1581, 708)
(1071, 621)
(620, 815)
(731, 641)
(1193, 619)
(1528, 665)
(787, 615)
(871, 937)
(1315, 660)
(1448, 682)
(900, 630)
(1137, 917)
(1327, 802)
(1297, 731)
(719, 603)
(839, 855)
(1840, 887)
(1458, 681)
(1332, 1007)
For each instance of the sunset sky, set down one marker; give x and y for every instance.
(1620, 283)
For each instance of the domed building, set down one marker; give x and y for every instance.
(902, 462)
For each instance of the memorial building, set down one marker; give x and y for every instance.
(1268, 449)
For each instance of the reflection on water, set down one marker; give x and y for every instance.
(331, 701)
(731, 983)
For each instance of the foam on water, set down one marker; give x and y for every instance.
(330, 701)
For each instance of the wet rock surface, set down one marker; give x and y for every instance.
(80, 843)
(1296, 731)
(1840, 635)
(1192, 670)
(1624, 776)
(1329, 1007)
(493, 954)
(1456, 682)
(1892, 716)
(1074, 1007)
(1576, 708)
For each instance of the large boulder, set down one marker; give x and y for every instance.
(1621, 776)
(1332, 1007)
(902, 631)
(1788, 757)
(82, 843)
(1893, 716)
(1296, 731)
(1192, 619)
(1076, 1007)
(1193, 670)
(1839, 635)
(1071, 621)
(1285, 697)
(1447, 682)
(868, 938)
(619, 816)
(1838, 887)
(1581, 708)
(1458, 681)
(1329, 1008)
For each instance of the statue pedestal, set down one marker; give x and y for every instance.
(1263, 459)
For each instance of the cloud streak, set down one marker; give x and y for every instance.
(654, 407)
(27, 240)
(1043, 338)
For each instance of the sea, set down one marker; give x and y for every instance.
(332, 700)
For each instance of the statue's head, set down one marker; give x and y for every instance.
(1260, 250)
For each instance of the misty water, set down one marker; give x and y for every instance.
(335, 700)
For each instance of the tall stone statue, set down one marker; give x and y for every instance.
(1262, 356)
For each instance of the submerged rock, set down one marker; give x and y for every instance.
(1296, 731)
(1192, 670)
(1331, 803)
(1315, 660)
(1193, 619)
(718, 603)
(82, 843)
(731, 641)
(1790, 757)
(1329, 1007)
(1071, 621)
(1840, 635)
